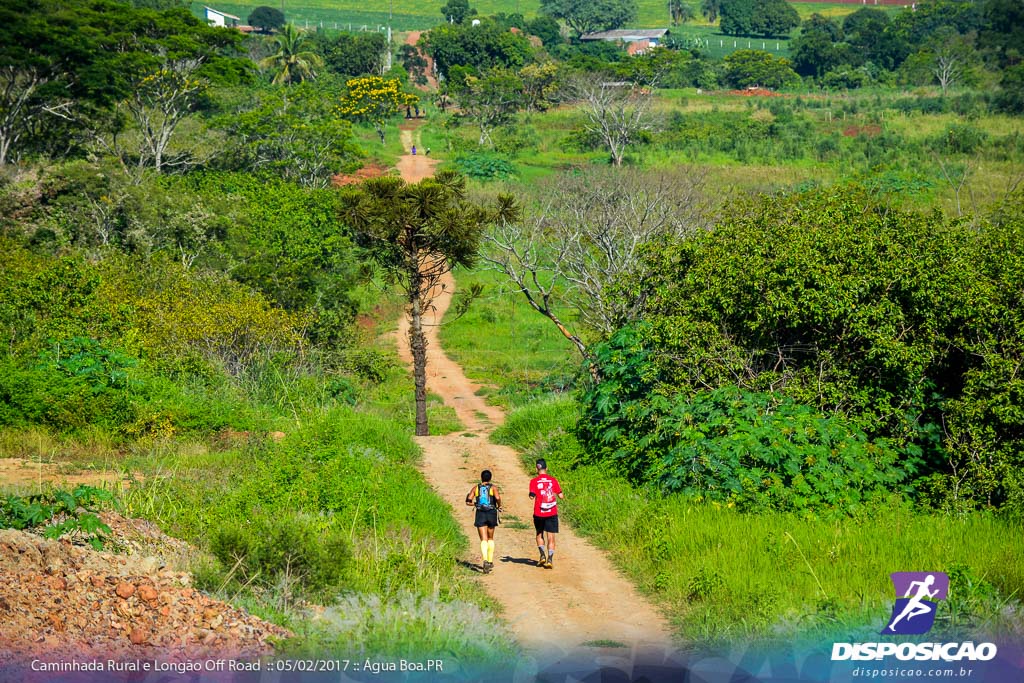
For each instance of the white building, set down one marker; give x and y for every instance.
(218, 18)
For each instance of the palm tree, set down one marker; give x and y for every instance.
(291, 62)
(679, 12)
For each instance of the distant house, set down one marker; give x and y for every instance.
(218, 18)
(637, 40)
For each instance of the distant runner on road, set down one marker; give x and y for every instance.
(486, 498)
(543, 490)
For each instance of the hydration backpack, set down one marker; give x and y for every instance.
(485, 496)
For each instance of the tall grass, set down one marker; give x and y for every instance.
(722, 575)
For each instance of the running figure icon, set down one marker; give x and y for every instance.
(916, 607)
(918, 595)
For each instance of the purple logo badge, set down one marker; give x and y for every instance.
(917, 596)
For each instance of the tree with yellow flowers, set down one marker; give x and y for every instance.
(374, 99)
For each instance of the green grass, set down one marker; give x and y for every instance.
(407, 15)
(343, 477)
(521, 350)
(725, 576)
(539, 146)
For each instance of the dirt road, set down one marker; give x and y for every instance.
(584, 601)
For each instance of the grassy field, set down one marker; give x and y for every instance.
(728, 576)
(786, 142)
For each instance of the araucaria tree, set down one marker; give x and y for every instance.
(374, 100)
(417, 233)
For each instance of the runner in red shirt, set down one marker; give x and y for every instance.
(543, 489)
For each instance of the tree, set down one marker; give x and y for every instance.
(547, 29)
(293, 132)
(417, 233)
(292, 63)
(745, 68)
(954, 57)
(23, 105)
(1002, 33)
(587, 16)
(616, 112)
(66, 64)
(489, 100)
(1010, 98)
(583, 233)
(159, 102)
(414, 62)
(815, 51)
(457, 11)
(710, 9)
(267, 19)
(765, 18)
(374, 100)
(351, 54)
(866, 32)
(480, 47)
(679, 12)
(540, 85)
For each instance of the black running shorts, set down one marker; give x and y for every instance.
(548, 524)
(487, 518)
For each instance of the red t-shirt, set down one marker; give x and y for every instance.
(545, 488)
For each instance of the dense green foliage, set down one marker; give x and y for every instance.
(757, 451)
(898, 325)
(762, 18)
(266, 18)
(479, 47)
(734, 577)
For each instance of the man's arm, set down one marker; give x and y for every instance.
(469, 496)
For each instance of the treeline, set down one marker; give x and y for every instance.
(944, 43)
(947, 43)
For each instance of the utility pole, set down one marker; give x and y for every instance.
(391, 11)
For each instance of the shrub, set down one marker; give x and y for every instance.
(62, 513)
(484, 166)
(289, 549)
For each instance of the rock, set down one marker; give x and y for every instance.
(138, 636)
(125, 590)
(147, 593)
(276, 436)
(58, 583)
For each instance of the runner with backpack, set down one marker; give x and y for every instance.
(486, 498)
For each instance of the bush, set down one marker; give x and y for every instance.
(70, 385)
(289, 550)
(484, 166)
(764, 452)
(898, 325)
